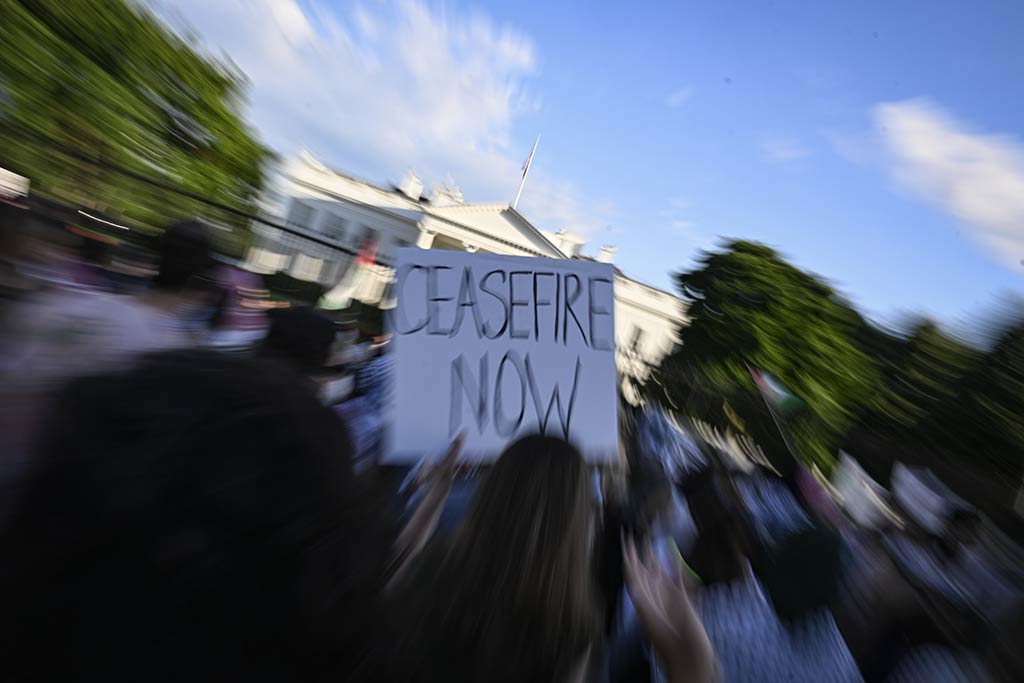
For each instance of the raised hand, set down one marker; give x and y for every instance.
(436, 479)
(442, 470)
(667, 617)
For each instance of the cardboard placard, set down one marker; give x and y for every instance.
(499, 347)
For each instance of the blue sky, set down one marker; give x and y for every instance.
(878, 144)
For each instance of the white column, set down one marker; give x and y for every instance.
(425, 239)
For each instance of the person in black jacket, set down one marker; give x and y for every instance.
(194, 517)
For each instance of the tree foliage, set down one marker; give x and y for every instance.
(88, 86)
(985, 418)
(748, 307)
(920, 376)
(921, 394)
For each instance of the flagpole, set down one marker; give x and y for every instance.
(526, 171)
(775, 419)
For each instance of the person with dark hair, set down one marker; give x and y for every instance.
(300, 337)
(184, 287)
(512, 596)
(722, 548)
(185, 256)
(195, 517)
(659, 521)
(303, 339)
(805, 572)
(649, 493)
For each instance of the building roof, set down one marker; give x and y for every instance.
(501, 222)
(498, 221)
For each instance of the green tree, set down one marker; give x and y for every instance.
(748, 306)
(91, 86)
(984, 421)
(920, 374)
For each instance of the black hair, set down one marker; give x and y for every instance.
(300, 337)
(193, 518)
(721, 524)
(185, 256)
(650, 493)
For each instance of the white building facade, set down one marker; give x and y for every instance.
(333, 216)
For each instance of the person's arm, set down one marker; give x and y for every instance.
(436, 482)
(668, 618)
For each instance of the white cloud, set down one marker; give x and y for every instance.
(678, 98)
(977, 177)
(380, 87)
(784, 149)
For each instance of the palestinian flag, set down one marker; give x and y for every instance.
(775, 393)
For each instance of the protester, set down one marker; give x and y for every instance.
(299, 337)
(42, 250)
(192, 518)
(365, 412)
(189, 515)
(805, 572)
(375, 378)
(67, 330)
(304, 339)
(636, 512)
(241, 319)
(512, 597)
(183, 289)
(656, 522)
(721, 551)
(609, 553)
(668, 618)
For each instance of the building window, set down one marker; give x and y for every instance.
(300, 215)
(334, 227)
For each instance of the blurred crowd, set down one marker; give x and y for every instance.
(191, 491)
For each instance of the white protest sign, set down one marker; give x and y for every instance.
(499, 347)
